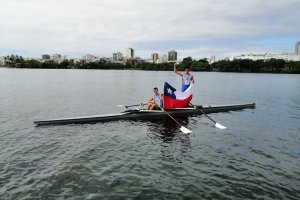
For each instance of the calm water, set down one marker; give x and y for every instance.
(257, 157)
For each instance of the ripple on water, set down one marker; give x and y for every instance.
(257, 157)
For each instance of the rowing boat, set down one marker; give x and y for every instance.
(141, 114)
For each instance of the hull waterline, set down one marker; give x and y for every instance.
(144, 115)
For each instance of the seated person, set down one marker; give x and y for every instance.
(155, 101)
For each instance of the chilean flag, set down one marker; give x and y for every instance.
(176, 99)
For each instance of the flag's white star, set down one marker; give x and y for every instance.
(169, 91)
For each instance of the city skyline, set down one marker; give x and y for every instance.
(171, 55)
(193, 28)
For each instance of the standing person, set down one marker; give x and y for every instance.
(187, 78)
(155, 101)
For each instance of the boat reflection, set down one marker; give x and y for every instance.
(172, 143)
(166, 129)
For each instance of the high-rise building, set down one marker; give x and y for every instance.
(129, 53)
(2, 60)
(297, 48)
(172, 56)
(46, 57)
(117, 57)
(89, 58)
(162, 58)
(154, 57)
(56, 57)
(212, 59)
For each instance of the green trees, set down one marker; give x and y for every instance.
(292, 67)
(32, 64)
(275, 65)
(14, 61)
(257, 66)
(195, 65)
(245, 65)
(49, 64)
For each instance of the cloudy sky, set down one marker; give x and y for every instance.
(197, 28)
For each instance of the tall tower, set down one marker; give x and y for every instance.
(154, 57)
(172, 56)
(297, 48)
(129, 53)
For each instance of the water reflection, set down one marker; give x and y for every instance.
(172, 142)
(166, 130)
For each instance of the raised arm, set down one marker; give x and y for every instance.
(177, 72)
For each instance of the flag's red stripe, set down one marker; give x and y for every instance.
(170, 103)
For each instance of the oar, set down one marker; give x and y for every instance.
(216, 124)
(141, 104)
(182, 128)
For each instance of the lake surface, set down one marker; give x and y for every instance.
(257, 157)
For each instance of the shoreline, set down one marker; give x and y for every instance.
(132, 69)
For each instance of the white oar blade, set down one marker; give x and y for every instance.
(220, 126)
(185, 130)
(120, 105)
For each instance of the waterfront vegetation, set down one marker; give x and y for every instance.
(258, 66)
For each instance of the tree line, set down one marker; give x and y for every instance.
(245, 65)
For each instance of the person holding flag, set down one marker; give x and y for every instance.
(187, 78)
(175, 98)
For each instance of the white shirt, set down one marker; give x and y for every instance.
(187, 79)
(157, 99)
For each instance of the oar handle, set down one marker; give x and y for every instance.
(141, 104)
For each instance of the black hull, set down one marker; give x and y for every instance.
(144, 115)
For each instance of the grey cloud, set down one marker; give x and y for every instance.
(109, 25)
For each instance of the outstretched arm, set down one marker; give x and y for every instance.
(175, 70)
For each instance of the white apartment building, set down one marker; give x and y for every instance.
(289, 56)
(129, 53)
(162, 59)
(56, 57)
(212, 59)
(252, 56)
(89, 58)
(268, 56)
(117, 57)
(297, 48)
(2, 61)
